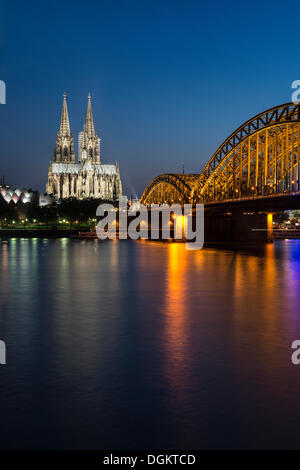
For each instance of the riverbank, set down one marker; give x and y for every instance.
(37, 233)
(286, 234)
(69, 233)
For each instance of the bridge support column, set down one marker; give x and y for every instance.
(270, 227)
(242, 228)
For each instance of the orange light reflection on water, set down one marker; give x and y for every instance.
(176, 313)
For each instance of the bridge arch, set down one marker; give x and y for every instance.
(169, 188)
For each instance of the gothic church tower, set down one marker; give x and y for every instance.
(64, 150)
(88, 141)
(87, 178)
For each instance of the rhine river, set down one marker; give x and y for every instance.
(127, 345)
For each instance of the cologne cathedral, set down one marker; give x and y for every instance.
(87, 178)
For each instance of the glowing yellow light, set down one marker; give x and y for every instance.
(270, 226)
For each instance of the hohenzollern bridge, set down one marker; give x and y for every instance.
(258, 161)
(254, 171)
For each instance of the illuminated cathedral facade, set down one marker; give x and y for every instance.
(87, 177)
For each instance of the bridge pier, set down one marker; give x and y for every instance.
(220, 227)
(238, 228)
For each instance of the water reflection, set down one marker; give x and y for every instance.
(175, 310)
(134, 344)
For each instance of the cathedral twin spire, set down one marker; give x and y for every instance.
(89, 142)
(64, 150)
(89, 122)
(64, 120)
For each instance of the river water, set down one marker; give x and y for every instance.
(127, 345)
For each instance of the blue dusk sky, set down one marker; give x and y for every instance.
(169, 79)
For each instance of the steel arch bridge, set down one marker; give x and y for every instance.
(260, 158)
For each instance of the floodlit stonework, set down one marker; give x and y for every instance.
(87, 178)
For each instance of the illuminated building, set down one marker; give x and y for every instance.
(87, 178)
